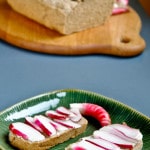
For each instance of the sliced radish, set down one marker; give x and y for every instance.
(102, 143)
(68, 123)
(26, 132)
(30, 121)
(58, 126)
(84, 145)
(15, 129)
(77, 115)
(76, 147)
(128, 131)
(113, 139)
(118, 133)
(64, 111)
(120, 6)
(93, 110)
(44, 124)
(55, 115)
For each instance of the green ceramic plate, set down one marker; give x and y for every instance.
(37, 105)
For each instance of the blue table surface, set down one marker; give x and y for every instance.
(24, 74)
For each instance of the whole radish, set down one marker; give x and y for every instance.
(93, 110)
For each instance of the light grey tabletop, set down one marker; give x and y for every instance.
(24, 74)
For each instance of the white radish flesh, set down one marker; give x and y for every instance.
(26, 132)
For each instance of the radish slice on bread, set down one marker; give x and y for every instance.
(107, 138)
(55, 115)
(120, 134)
(26, 132)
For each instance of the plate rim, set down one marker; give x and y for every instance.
(74, 90)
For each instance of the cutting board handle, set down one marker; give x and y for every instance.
(119, 36)
(129, 45)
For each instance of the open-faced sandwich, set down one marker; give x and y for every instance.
(111, 137)
(42, 132)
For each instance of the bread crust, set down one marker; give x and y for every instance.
(49, 141)
(65, 16)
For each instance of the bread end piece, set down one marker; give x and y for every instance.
(49, 141)
(65, 16)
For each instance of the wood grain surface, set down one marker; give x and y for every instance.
(119, 36)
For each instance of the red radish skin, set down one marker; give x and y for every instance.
(45, 130)
(30, 121)
(93, 110)
(45, 125)
(78, 148)
(102, 143)
(64, 111)
(55, 115)
(17, 132)
(84, 145)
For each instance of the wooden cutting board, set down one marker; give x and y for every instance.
(119, 36)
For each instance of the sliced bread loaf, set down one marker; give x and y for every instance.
(65, 16)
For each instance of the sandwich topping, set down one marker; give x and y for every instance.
(111, 137)
(53, 123)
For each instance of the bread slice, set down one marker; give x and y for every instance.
(65, 16)
(48, 142)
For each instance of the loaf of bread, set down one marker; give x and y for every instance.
(48, 142)
(65, 16)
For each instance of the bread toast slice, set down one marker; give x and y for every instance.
(115, 137)
(48, 142)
